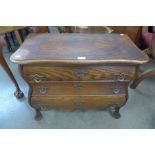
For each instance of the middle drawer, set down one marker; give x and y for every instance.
(79, 88)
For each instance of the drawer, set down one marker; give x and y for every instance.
(79, 88)
(116, 73)
(77, 102)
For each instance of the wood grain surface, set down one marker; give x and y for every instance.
(58, 79)
(82, 73)
(79, 88)
(77, 102)
(79, 48)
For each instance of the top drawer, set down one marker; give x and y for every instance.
(45, 73)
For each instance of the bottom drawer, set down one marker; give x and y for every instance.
(77, 102)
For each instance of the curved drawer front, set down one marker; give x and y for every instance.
(40, 74)
(77, 102)
(79, 88)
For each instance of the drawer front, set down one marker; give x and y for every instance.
(40, 74)
(79, 88)
(77, 102)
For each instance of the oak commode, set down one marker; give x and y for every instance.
(78, 71)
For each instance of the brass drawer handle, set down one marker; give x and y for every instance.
(117, 89)
(78, 86)
(121, 77)
(37, 78)
(80, 73)
(42, 89)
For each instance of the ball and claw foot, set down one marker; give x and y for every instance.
(38, 115)
(132, 86)
(116, 114)
(19, 94)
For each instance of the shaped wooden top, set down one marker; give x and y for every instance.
(79, 49)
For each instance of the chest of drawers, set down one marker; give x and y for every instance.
(78, 71)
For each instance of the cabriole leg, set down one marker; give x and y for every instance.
(18, 93)
(147, 74)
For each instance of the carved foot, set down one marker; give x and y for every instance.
(19, 94)
(38, 115)
(132, 86)
(115, 113)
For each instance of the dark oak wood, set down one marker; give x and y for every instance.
(38, 115)
(148, 73)
(77, 102)
(58, 79)
(79, 88)
(116, 114)
(134, 32)
(18, 93)
(69, 48)
(85, 73)
(141, 77)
